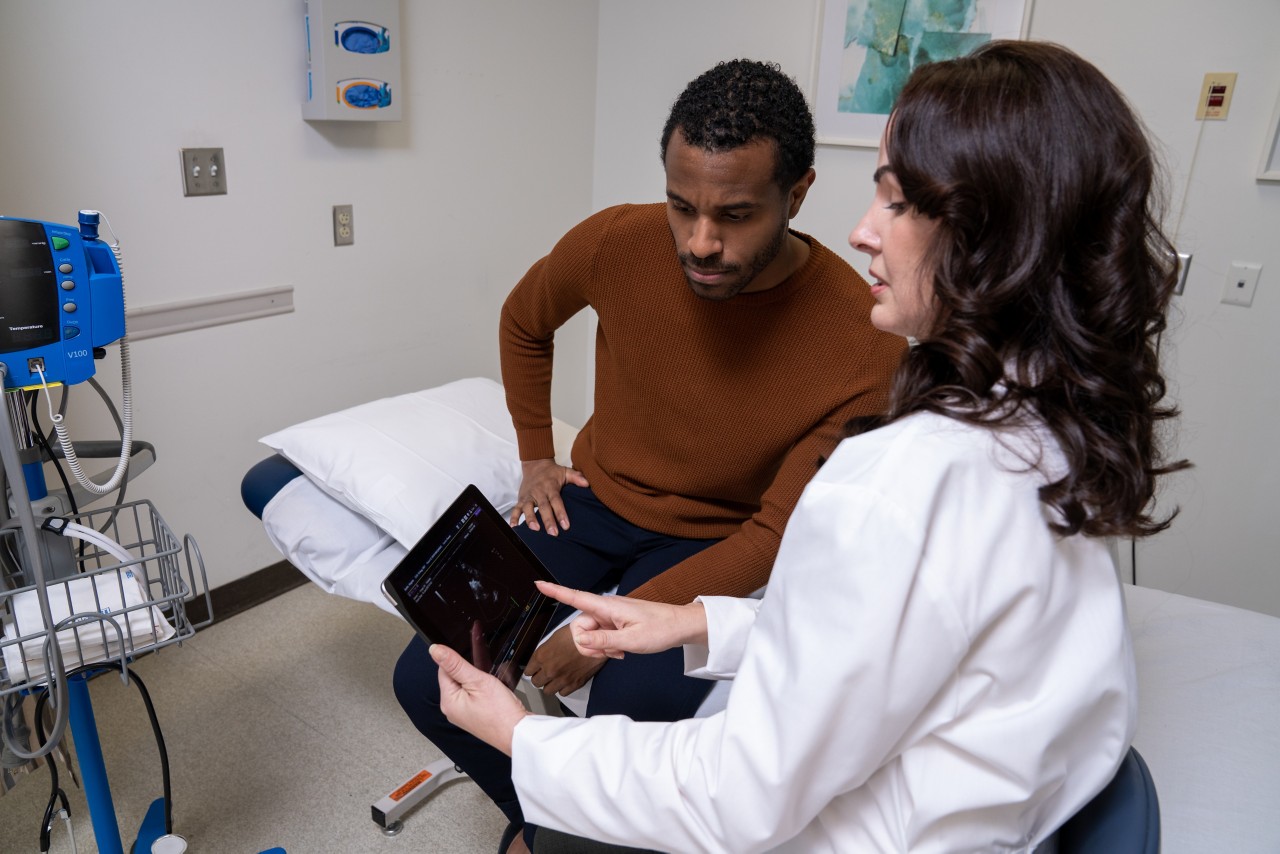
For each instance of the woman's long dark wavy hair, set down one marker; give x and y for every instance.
(1050, 269)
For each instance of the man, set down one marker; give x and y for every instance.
(730, 353)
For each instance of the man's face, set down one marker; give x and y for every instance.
(728, 216)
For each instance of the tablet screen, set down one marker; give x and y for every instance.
(468, 583)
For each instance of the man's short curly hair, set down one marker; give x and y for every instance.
(740, 101)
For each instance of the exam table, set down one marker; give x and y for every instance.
(346, 494)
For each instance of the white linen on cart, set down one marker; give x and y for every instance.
(115, 594)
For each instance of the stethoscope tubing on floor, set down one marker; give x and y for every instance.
(57, 796)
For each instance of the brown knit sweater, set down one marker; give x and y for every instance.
(710, 417)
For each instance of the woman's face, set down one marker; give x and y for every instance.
(896, 237)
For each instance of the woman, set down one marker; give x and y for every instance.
(941, 662)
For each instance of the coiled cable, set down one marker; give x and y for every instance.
(126, 403)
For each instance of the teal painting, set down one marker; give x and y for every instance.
(895, 37)
(869, 48)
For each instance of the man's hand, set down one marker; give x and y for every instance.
(539, 495)
(475, 701)
(557, 668)
(610, 626)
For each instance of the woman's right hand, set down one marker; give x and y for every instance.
(610, 626)
(539, 497)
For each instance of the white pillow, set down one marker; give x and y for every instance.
(400, 461)
(337, 548)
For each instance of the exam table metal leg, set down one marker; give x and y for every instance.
(389, 812)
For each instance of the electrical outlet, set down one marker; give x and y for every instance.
(1242, 281)
(343, 226)
(204, 172)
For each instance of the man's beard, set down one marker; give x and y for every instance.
(748, 272)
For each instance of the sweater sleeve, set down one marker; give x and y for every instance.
(555, 289)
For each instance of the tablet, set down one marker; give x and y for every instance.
(468, 584)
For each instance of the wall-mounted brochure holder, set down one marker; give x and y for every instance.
(353, 60)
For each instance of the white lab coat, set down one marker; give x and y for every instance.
(932, 669)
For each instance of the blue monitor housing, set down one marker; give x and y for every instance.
(61, 295)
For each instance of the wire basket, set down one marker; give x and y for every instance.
(104, 609)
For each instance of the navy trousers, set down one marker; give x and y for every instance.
(598, 551)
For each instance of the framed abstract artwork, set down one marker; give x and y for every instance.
(866, 49)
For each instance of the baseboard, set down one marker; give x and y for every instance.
(243, 593)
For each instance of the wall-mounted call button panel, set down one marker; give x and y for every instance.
(1215, 95)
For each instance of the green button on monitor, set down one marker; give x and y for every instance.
(61, 243)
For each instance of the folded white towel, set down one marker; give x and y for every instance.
(116, 594)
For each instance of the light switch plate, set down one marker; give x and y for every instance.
(204, 172)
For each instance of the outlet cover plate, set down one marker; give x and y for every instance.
(344, 227)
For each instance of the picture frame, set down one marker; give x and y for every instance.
(1269, 165)
(864, 50)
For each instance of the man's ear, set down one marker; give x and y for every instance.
(798, 192)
